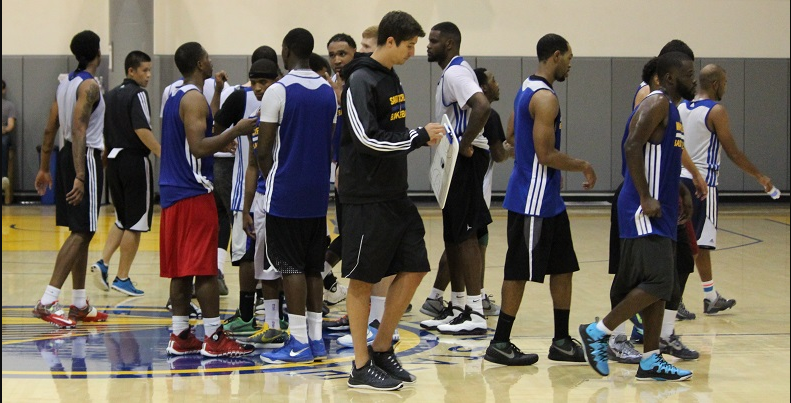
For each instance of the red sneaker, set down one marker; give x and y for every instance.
(220, 345)
(86, 314)
(184, 343)
(53, 313)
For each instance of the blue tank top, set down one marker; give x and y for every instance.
(297, 185)
(534, 189)
(182, 175)
(662, 169)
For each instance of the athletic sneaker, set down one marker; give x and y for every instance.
(325, 310)
(86, 314)
(371, 376)
(684, 314)
(184, 343)
(101, 269)
(719, 304)
(595, 343)
(408, 308)
(468, 323)
(676, 348)
(655, 368)
(195, 311)
(238, 327)
(127, 287)
(506, 353)
(220, 345)
(449, 313)
(621, 350)
(267, 338)
(637, 329)
(291, 352)
(432, 307)
(222, 285)
(566, 349)
(489, 307)
(335, 294)
(318, 349)
(388, 361)
(346, 340)
(53, 313)
(338, 325)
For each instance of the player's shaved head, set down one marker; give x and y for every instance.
(710, 74)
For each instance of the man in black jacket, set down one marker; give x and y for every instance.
(383, 230)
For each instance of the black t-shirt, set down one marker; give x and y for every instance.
(127, 110)
(232, 109)
(493, 130)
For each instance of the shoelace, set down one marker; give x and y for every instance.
(463, 317)
(666, 367)
(515, 349)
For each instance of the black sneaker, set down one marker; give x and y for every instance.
(673, 346)
(340, 324)
(372, 377)
(566, 349)
(388, 361)
(684, 314)
(506, 353)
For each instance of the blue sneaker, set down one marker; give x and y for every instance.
(637, 330)
(595, 342)
(655, 368)
(101, 270)
(346, 341)
(318, 349)
(291, 352)
(126, 287)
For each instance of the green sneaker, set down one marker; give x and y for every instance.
(238, 327)
(267, 338)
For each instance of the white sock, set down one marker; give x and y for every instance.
(708, 290)
(668, 323)
(79, 298)
(377, 309)
(327, 270)
(601, 327)
(51, 294)
(78, 347)
(298, 326)
(314, 325)
(621, 329)
(475, 302)
(221, 255)
(648, 354)
(210, 325)
(436, 293)
(180, 324)
(458, 299)
(271, 313)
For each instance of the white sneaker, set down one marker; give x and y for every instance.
(346, 341)
(468, 323)
(448, 314)
(335, 294)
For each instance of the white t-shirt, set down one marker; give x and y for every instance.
(456, 86)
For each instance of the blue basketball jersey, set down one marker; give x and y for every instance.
(662, 169)
(534, 189)
(297, 186)
(182, 175)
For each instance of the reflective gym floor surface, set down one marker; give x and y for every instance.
(744, 351)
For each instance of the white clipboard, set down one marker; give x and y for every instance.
(443, 163)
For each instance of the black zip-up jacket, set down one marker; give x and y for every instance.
(375, 140)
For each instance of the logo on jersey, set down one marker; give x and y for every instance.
(397, 108)
(679, 135)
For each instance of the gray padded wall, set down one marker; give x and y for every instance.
(757, 100)
(587, 126)
(765, 103)
(12, 74)
(508, 74)
(39, 83)
(419, 91)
